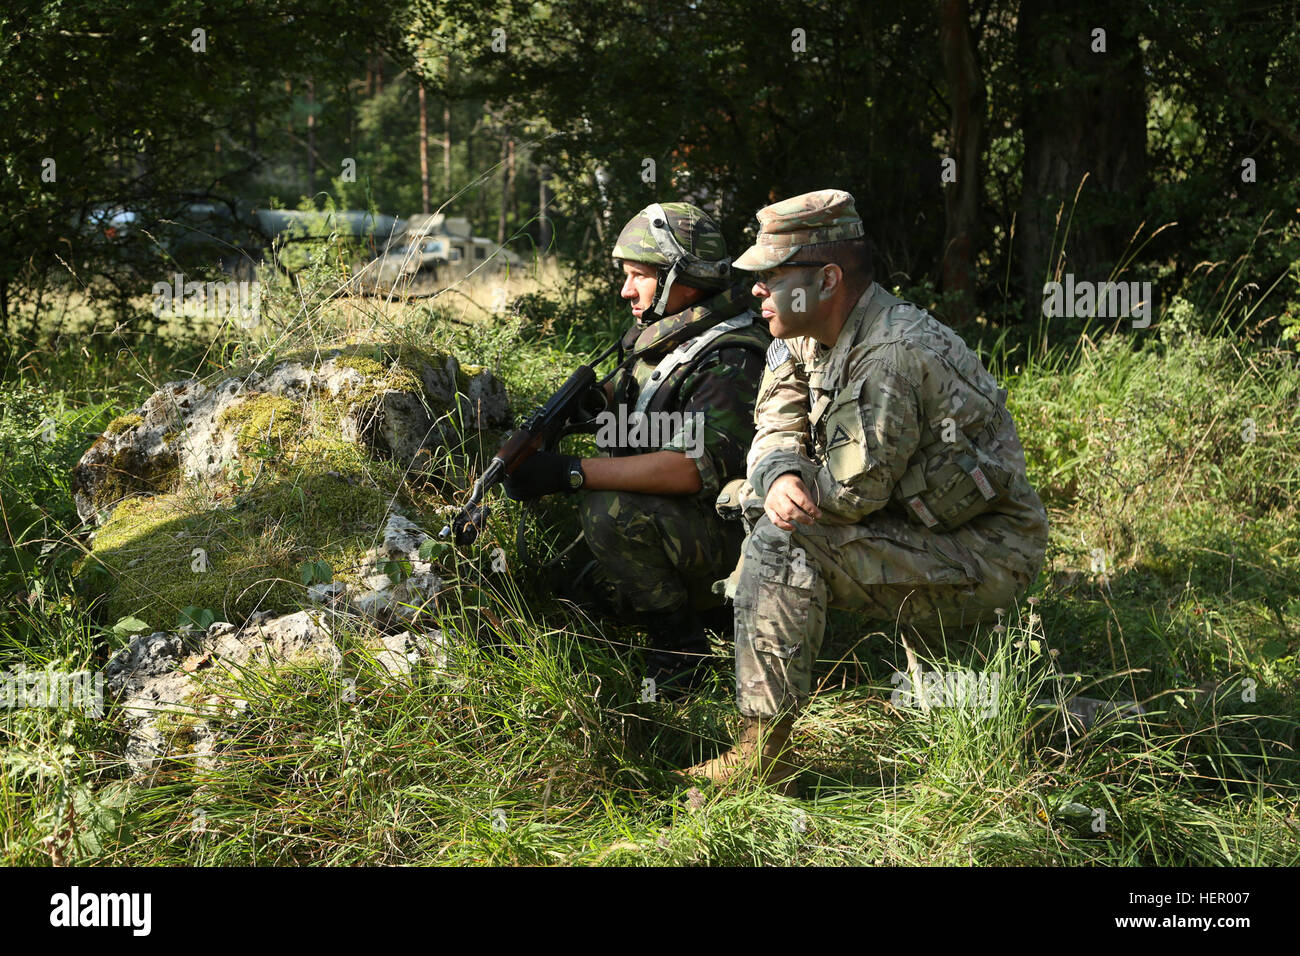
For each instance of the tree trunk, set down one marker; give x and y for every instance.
(475, 212)
(311, 138)
(350, 104)
(543, 210)
(424, 150)
(505, 190)
(446, 147)
(1084, 114)
(962, 198)
(510, 181)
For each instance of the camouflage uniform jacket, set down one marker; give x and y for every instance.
(720, 382)
(899, 414)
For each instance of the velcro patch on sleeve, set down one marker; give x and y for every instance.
(777, 353)
(838, 437)
(983, 484)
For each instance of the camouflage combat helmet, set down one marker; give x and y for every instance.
(683, 242)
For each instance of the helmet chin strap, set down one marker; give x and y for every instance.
(657, 309)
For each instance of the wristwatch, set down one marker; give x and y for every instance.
(576, 478)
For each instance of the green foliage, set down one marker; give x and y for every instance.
(317, 243)
(586, 322)
(397, 571)
(434, 550)
(129, 626)
(526, 743)
(127, 103)
(200, 618)
(1168, 458)
(316, 572)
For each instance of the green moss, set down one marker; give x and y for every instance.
(178, 731)
(321, 498)
(253, 552)
(318, 455)
(379, 378)
(122, 423)
(463, 375)
(265, 418)
(374, 361)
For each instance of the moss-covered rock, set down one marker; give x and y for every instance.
(214, 497)
(122, 423)
(114, 471)
(238, 552)
(264, 419)
(177, 692)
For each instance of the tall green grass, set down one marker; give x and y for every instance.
(1171, 580)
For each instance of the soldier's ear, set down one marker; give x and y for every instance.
(831, 278)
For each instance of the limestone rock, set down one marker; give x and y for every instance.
(325, 593)
(401, 542)
(402, 537)
(484, 403)
(170, 686)
(402, 411)
(394, 424)
(401, 651)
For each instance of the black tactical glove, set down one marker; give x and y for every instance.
(541, 473)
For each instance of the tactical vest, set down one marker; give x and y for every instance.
(656, 389)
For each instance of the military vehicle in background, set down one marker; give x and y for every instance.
(292, 225)
(386, 253)
(436, 250)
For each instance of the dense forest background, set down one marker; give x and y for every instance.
(991, 145)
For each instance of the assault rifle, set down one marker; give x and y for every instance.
(570, 410)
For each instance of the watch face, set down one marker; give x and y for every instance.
(575, 477)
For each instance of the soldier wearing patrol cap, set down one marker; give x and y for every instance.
(655, 543)
(885, 477)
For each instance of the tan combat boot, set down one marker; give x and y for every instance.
(759, 753)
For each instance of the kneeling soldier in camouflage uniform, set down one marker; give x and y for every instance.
(886, 476)
(648, 510)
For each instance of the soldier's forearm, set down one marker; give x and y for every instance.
(780, 461)
(654, 473)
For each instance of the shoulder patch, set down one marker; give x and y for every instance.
(777, 354)
(838, 437)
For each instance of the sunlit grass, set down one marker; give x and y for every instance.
(530, 744)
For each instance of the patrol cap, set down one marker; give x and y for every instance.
(785, 227)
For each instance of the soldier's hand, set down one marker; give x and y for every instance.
(788, 501)
(541, 473)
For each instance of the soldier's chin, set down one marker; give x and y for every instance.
(779, 329)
